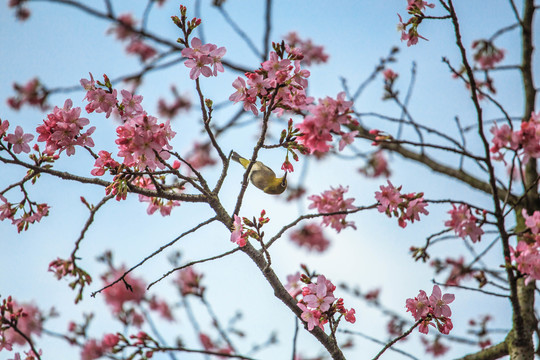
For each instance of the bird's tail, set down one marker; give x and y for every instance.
(236, 157)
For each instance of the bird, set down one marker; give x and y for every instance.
(262, 176)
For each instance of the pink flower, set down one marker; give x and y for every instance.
(118, 294)
(389, 198)
(487, 55)
(435, 347)
(293, 285)
(236, 235)
(311, 237)
(140, 48)
(464, 223)
(189, 282)
(419, 306)
(414, 208)
(103, 163)
(376, 166)
(20, 140)
(349, 316)
(29, 322)
(527, 258)
(62, 130)
(162, 308)
(201, 57)
(440, 302)
(533, 221)
(4, 125)
(311, 317)
(320, 299)
(333, 201)
(309, 53)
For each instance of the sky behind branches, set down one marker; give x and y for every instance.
(61, 45)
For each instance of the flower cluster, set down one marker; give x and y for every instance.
(376, 166)
(280, 82)
(189, 282)
(240, 236)
(203, 59)
(311, 237)
(34, 213)
(333, 201)
(406, 207)
(435, 347)
(458, 271)
(526, 255)
(210, 345)
(142, 141)
(32, 93)
(94, 349)
(305, 49)
(120, 294)
(487, 54)
(26, 318)
(155, 203)
(525, 141)
(125, 31)
(62, 130)
(181, 102)
(64, 268)
(324, 120)
(414, 8)
(389, 77)
(464, 223)
(432, 309)
(319, 305)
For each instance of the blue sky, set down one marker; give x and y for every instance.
(61, 45)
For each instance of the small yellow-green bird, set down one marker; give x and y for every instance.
(262, 176)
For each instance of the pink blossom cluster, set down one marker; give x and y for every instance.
(203, 59)
(525, 141)
(414, 8)
(118, 295)
(406, 207)
(434, 347)
(311, 237)
(62, 130)
(526, 255)
(103, 163)
(142, 141)
(331, 201)
(210, 345)
(200, 156)
(34, 213)
(189, 282)
(161, 307)
(486, 54)
(180, 103)
(318, 304)
(432, 309)
(32, 93)
(125, 31)
(464, 223)
(164, 206)
(458, 271)
(26, 317)
(279, 82)
(376, 166)
(323, 121)
(94, 349)
(305, 49)
(294, 285)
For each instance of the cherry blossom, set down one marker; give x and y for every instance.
(189, 282)
(433, 311)
(464, 223)
(311, 237)
(62, 130)
(201, 57)
(237, 236)
(19, 140)
(333, 201)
